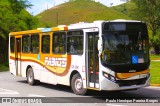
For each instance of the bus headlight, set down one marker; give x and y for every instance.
(110, 77)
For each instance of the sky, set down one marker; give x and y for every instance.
(41, 5)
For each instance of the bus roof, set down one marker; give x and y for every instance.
(98, 23)
(80, 25)
(123, 20)
(41, 30)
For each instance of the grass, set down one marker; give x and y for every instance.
(79, 11)
(3, 68)
(155, 72)
(155, 69)
(125, 8)
(154, 57)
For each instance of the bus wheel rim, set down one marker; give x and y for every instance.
(30, 77)
(78, 84)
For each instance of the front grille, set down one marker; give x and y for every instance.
(131, 82)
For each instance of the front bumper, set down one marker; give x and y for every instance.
(112, 86)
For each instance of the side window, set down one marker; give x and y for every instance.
(35, 43)
(12, 42)
(46, 44)
(25, 43)
(75, 42)
(59, 42)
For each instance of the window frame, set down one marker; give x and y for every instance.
(58, 44)
(12, 44)
(38, 50)
(45, 44)
(72, 33)
(27, 35)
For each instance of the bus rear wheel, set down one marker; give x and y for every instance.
(77, 85)
(30, 76)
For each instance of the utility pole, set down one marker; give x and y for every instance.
(111, 4)
(47, 6)
(57, 18)
(54, 3)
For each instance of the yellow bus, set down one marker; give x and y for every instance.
(102, 55)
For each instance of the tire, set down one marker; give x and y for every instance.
(77, 85)
(30, 76)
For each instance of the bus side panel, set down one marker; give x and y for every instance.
(40, 72)
(36, 68)
(12, 65)
(77, 65)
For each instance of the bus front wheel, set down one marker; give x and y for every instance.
(30, 76)
(77, 85)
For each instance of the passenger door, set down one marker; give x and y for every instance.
(92, 60)
(18, 56)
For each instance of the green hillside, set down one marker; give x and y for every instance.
(125, 8)
(79, 11)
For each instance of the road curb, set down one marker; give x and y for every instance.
(155, 60)
(155, 85)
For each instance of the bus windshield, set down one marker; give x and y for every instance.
(125, 43)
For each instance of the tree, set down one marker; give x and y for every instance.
(149, 11)
(18, 5)
(13, 17)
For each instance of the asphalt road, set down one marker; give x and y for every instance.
(14, 87)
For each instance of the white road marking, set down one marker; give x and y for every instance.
(6, 91)
(35, 95)
(114, 105)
